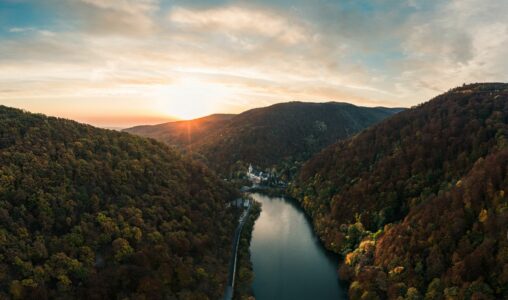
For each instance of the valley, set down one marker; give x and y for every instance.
(253, 150)
(277, 138)
(366, 216)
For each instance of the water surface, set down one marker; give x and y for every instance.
(288, 260)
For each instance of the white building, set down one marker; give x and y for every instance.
(251, 174)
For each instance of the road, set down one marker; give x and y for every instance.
(228, 295)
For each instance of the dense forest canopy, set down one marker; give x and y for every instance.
(267, 137)
(97, 214)
(418, 204)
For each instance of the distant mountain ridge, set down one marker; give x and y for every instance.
(417, 204)
(269, 135)
(182, 133)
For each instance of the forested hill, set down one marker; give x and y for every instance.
(183, 133)
(87, 213)
(268, 136)
(285, 132)
(418, 203)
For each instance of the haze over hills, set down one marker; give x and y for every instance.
(87, 213)
(418, 203)
(268, 136)
(183, 133)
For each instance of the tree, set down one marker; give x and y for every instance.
(122, 249)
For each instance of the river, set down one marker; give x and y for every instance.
(288, 260)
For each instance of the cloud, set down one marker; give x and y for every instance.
(141, 53)
(31, 30)
(242, 21)
(461, 41)
(128, 6)
(18, 29)
(112, 17)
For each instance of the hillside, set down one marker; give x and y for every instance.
(268, 136)
(417, 204)
(286, 132)
(182, 133)
(87, 213)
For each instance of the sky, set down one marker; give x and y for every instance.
(119, 63)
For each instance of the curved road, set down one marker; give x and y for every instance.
(228, 295)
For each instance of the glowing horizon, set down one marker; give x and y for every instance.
(121, 63)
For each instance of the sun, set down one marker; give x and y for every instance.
(191, 98)
(187, 107)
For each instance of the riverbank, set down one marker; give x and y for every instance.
(269, 191)
(245, 274)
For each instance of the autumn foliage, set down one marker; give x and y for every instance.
(267, 137)
(418, 204)
(87, 213)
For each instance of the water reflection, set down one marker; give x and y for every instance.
(288, 260)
